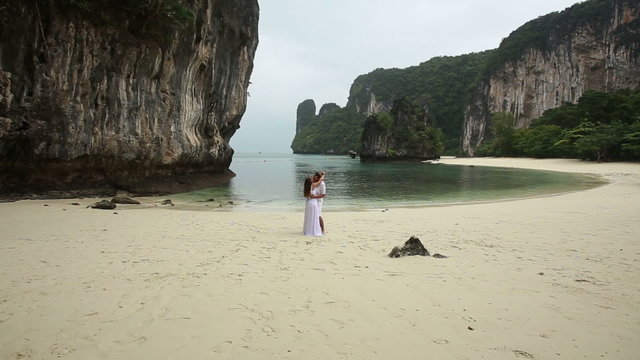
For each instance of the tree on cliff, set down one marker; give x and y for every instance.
(440, 84)
(147, 18)
(405, 133)
(334, 131)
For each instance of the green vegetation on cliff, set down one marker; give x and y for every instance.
(144, 18)
(548, 31)
(335, 131)
(305, 114)
(404, 133)
(442, 85)
(599, 127)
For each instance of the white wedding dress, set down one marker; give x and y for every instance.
(312, 216)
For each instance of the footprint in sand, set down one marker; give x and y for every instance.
(5, 317)
(24, 354)
(268, 330)
(248, 336)
(339, 323)
(523, 354)
(59, 350)
(139, 340)
(222, 348)
(295, 329)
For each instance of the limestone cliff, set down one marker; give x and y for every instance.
(86, 104)
(595, 53)
(403, 134)
(439, 85)
(305, 114)
(365, 101)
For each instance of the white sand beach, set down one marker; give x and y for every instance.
(554, 277)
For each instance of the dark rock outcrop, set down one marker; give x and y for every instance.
(411, 247)
(167, 202)
(404, 134)
(104, 205)
(97, 105)
(124, 200)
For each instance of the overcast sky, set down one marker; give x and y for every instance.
(315, 49)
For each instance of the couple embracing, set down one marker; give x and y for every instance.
(314, 191)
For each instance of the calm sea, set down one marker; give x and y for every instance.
(274, 182)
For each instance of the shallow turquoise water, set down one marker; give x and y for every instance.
(274, 182)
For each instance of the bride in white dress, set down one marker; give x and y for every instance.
(311, 210)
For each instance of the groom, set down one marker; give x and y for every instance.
(322, 191)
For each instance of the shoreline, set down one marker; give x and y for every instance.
(154, 199)
(153, 187)
(204, 205)
(545, 278)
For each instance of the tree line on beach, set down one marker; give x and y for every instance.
(600, 126)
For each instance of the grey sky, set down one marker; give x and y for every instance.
(315, 49)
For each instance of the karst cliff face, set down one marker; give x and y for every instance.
(305, 113)
(368, 104)
(85, 104)
(589, 58)
(404, 135)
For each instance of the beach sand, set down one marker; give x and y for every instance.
(555, 277)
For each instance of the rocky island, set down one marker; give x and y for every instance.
(403, 134)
